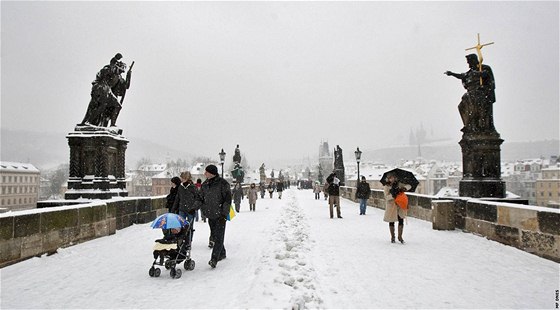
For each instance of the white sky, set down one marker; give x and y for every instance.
(279, 77)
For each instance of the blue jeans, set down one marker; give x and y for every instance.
(189, 218)
(363, 206)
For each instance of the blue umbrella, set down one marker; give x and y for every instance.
(168, 221)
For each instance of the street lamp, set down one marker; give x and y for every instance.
(358, 154)
(222, 159)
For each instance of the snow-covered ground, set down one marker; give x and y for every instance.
(289, 253)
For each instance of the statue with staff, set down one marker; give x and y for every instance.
(108, 86)
(476, 104)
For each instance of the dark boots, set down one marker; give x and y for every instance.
(400, 234)
(392, 231)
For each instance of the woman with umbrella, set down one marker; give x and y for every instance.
(393, 186)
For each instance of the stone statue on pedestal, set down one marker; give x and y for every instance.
(97, 151)
(480, 144)
(339, 165)
(262, 173)
(237, 173)
(237, 155)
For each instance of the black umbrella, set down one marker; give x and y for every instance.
(403, 176)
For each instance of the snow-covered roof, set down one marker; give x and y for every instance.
(163, 175)
(552, 168)
(153, 167)
(198, 168)
(7, 166)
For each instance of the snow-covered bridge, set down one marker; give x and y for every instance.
(289, 253)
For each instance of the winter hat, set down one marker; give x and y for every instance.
(175, 180)
(212, 169)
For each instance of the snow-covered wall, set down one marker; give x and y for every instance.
(28, 233)
(532, 229)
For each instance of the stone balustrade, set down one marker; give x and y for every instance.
(29, 233)
(529, 228)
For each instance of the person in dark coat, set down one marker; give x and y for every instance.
(279, 188)
(262, 188)
(198, 185)
(215, 201)
(334, 194)
(237, 196)
(170, 199)
(362, 194)
(270, 189)
(187, 194)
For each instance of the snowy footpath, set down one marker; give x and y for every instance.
(290, 254)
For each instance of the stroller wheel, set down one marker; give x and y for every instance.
(175, 273)
(168, 264)
(157, 272)
(152, 271)
(178, 273)
(189, 264)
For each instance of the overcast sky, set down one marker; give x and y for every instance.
(280, 77)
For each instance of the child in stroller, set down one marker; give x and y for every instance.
(172, 250)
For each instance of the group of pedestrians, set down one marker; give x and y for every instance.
(393, 212)
(278, 187)
(252, 196)
(213, 197)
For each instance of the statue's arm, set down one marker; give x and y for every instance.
(453, 74)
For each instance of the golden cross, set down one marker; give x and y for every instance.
(478, 48)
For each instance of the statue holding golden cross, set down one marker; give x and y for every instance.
(476, 104)
(478, 48)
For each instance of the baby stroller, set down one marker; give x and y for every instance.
(172, 250)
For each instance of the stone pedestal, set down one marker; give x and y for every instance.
(443, 215)
(481, 166)
(97, 163)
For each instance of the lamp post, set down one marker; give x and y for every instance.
(358, 154)
(222, 159)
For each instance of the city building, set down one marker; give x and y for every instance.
(140, 183)
(548, 186)
(20, 186)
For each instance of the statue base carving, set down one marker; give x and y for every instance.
(481, 166)
(482, 188)
(97, 163)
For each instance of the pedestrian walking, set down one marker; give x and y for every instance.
(326, 190)
(198, 185)
(170, 198)
(270, 189)
(184, 204)
(334, 194)
(279, 189)
(215, 203)
(252, 195)
(393, 212)
(317, 190)
(262, 188)
(237, 196)
(363, 193)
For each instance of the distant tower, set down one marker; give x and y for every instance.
(326, 158)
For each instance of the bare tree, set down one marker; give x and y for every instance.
(56, 179)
